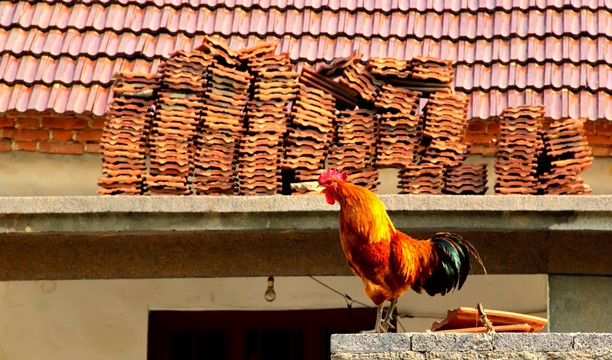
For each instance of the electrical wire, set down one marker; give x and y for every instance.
(349, 300)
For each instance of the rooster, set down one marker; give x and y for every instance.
(388, 261)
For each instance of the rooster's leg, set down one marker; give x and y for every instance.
(378, 326)
(387, 321)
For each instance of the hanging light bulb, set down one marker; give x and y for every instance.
(270, 294)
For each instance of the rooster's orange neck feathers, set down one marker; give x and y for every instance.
(364, 209)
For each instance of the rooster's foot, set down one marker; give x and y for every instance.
(378, 330)
(378, 327)
(386, 323)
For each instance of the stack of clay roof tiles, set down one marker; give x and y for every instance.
(126, 129)
(60, 55)
(466, 179)
(566, 154)
(443, 132)
(366, 177)
(259, 170)
(354, 145)
(274, 87)
(445, 152)
(427, 73)
(445, 123)
(362, 81)
(422, 179)
(389, 68)
(519, 147)
(177, 118)
(430, 69)
(222, 127)
(445, 116)
(399, 126)
(310, 133)
(344, 96)
(204, 96)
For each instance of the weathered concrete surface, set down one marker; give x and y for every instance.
(580, 302)
(236, 213)
(143, 237)
(424, 346)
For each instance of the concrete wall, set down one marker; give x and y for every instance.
(107, 319)
(28, 174)
(35, 174)
(471, 346)
(576, 302)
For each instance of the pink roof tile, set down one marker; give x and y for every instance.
(506, 52)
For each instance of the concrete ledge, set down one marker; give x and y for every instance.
(169, 236)
(238, 213)
(225, 204)
(472, 346)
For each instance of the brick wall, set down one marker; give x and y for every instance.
(49, 132)
(482, 136)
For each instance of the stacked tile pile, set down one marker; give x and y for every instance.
(358, 78)
(222, 124)
(389, 68)
(400, 126)
(445, 152)
(220, 52)
(310, 133)
(432, 69)
(259, 171)
(466, 179)
(125, 131)
(444, 124)
(344, 96)
(177, 117)
(366, 177)
(566, 154)
(423, 74)
(518, 148)
(422, 179)
(274, 87)
(222, 128)
(245, 55)
(445, 117)
(354, 145)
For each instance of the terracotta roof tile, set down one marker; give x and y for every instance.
(466, 179)
(422, 179)
(126, 128)
(519, 149)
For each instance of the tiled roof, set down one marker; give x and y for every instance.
(60, 55)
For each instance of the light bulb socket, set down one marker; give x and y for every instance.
(270, 294)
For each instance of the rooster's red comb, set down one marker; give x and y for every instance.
(332, 173)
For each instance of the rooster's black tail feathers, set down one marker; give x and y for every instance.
(453, 265)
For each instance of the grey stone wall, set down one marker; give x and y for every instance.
(428, 346)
